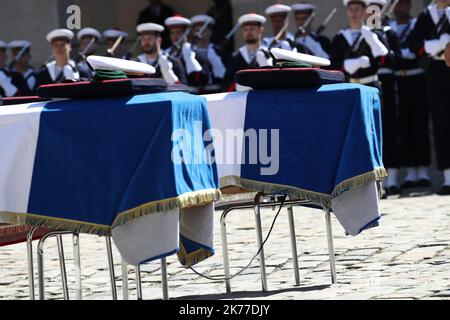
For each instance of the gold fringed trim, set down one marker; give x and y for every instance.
(296, 193)
(191, 259)
(358, 181)
(56, 223)
(190, 199)
(269, 188)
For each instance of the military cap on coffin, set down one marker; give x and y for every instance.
(291, 70)
(114, 77)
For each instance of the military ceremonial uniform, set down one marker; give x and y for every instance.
(428, 40)
(415, 149)
(186, 66)
(12, 84)
(288, 42)
(53, 73)
(82, 66)
(213, 68)
(244, 58)
(311, 43)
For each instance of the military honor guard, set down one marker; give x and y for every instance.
(21, 55)
(151, 40)
(187, 68)
(252, 54)
(278, 15)
(315, 44)
(413, 111)
(12, 83)
(115, 40)
(429, 39)
(62, 68)
(390, 110)
(213, 68)
(89, 39)
(357, 50)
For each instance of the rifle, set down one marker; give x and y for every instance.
(302, 29)
(129, 54)
(388, 11)
(223, 44)
(280, 34)
(115, 46)
(18, 56)
(176, 48)
(83, 55)
(326, 21)
(199, 33)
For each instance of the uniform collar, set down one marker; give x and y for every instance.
(434, 13)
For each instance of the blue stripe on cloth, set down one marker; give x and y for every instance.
(328, 134)
(97, 158)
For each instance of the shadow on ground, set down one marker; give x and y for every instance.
(252, 294)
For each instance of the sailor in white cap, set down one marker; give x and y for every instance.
(89, 39)
(151, 40)
(429, 40)
(213, 68)
(181, 50)
(112, 37)
(317, 45)
(21, 54)
(357, 50)
(252, 54)
(279, 18)
(62, 68)
(12, 83)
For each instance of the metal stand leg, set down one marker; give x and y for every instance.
(62, 266)
(124, 280)
(330, 246)
(40, 254)
(259, 238)
(77, 266)
(226, 259)
(293, 245)
(138, 283)
(111, 267)
(165, 285)
(30, 262)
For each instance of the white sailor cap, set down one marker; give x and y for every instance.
(60, 33)
(19, 44)
(114, 64)
(177, 21)
(114, 34)
(381, 3)
(251, 18)
(89, 32)
(3, 45)
(303, 6)
(202, 18)
(288, 55)
(149, 27)
(278, 8)
(365, 2)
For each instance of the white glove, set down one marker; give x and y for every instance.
(444, 39)
(315, 47)
(447, 12)
(262, 59)
(69, 73)
(376, 46)
(433, 47)
(218, 68)
(166, 68)
(407, 54)
(8, 87)
(353, 65)
(192, 65)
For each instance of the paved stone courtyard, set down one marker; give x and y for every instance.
(407, 257)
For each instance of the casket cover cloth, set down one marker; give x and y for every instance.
(330, 146)
(92, 165)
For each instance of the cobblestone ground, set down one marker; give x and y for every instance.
(407, 257)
